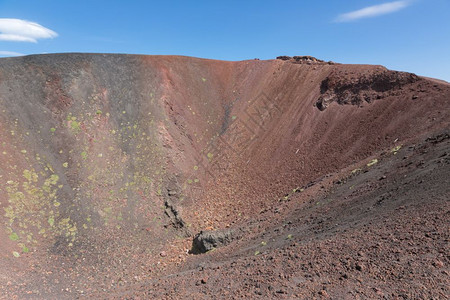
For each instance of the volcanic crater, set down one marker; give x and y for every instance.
(169, 177)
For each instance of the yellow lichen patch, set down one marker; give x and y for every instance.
(31, 176)
(372, 162)
(32, 208)
(356, 170)
(396, 149)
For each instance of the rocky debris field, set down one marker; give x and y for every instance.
(378, 232)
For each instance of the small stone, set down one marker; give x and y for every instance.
(163, 254)
(378, 292)
(204, 280)
(415, 97)
(438, 264)
(359, 267)
(323, 293)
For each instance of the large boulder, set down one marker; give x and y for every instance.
(208, 240)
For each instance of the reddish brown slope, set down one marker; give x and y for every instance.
(109, 162)
(294, 142)
(379, 233)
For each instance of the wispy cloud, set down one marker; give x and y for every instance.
(10, 53)
(17, 30)
(373, 11)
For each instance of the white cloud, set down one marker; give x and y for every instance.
(10, 53)
(17, 30)
(373, 11)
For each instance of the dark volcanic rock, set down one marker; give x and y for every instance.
(305, 59)
(284, 57)
(344, 89)
(208, 240)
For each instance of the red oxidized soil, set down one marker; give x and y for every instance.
(281, 151)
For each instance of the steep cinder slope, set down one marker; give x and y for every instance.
(109, 163)
(296, 122)
(379, 231)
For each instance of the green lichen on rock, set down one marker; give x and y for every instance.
(84, 154)
(115, 177)
(32, 211)
(13, 236)
(75, 126)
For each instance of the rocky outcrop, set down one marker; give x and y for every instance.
(305, 59)
(172, 207)
(208, 240)
(344, 89)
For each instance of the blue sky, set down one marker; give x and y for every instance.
(405, 35)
